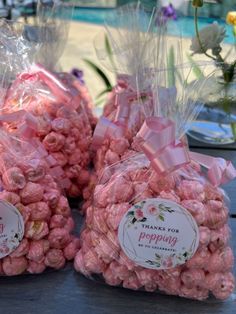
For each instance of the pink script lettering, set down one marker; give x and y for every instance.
(153, 238)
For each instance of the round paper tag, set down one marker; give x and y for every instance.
(158, 234)
(11, 228)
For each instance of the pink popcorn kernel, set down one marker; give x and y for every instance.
(62, 207)
(58, 238)
(39, 211)
(22, 249)
(13, 179)
(61, 125)
(37, 250)
(54, 258)
(36, 230)
(221, 284)
(197, 209)
(193, 277)
(221, 260)
(13, 266)
(32, 193)
(36, 268)
(24, 210)
(52, 197)
(71, 249)
(191, 190)
(53, 142)
(10, 197)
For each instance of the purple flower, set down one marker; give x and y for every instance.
(79, 74)
(167, 13)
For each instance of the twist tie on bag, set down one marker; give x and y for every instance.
(167, 154)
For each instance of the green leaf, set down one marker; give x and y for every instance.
(144, 219)
(161, 218)
(130, 213)
(109, 52)
(196, 69)
(133, 220)
(171, 67)
(99, 72)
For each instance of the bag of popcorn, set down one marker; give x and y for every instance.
(159, 219)
(57, 118)
(36, 226)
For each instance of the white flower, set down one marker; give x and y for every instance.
(211, 36)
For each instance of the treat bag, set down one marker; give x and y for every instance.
(124, 48)
(130, 45)
(36, 225)
(159, 221)
(57, 119)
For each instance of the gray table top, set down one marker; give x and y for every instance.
(66, 291)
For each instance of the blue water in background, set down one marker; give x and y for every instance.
(184, 25)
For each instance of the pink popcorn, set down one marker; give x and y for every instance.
(193, 277)
(110, 278)
(119, 145)
(204, 235)
(61, 125)
(216, 219)
(44, 125)
(37, 250)
(36, 172)
(13, 179)
(58, 238)
(71, 249)
(13, 266)
(53, 142)
(111, 157)
(22, 249)
(200, 259)
(194, 293)
(62, 207)
(115, 214)
(172, 196)
(52, 197)
(31, 193)
(39, 211)
(106, 249)
(55, 259)
(10, 197)
(93, 263)
(220, 260)
(132, 282)
(197, 209)
(221, 284)
(79, 264)
(159, 184)
(219, 238)
(7, 161)
(57, 221)
(69, 225)
(146, 277)
(36, 230)
(191, 190)
(24, 210)
(36, 268)
(60, 158)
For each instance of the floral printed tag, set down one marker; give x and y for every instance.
(11, 228)
(158, 234)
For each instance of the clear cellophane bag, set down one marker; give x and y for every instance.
(58, 119)
(36, 221)
(134, 234)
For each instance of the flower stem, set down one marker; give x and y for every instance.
(198, 36)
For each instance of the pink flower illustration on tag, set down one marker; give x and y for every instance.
(138, 214)
(152, 210)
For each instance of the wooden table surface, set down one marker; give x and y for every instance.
(67, 292)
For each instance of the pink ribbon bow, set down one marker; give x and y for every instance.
(159, 145)
(106, 128)
(167, 154)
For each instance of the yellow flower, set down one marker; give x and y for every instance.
(231, 18)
